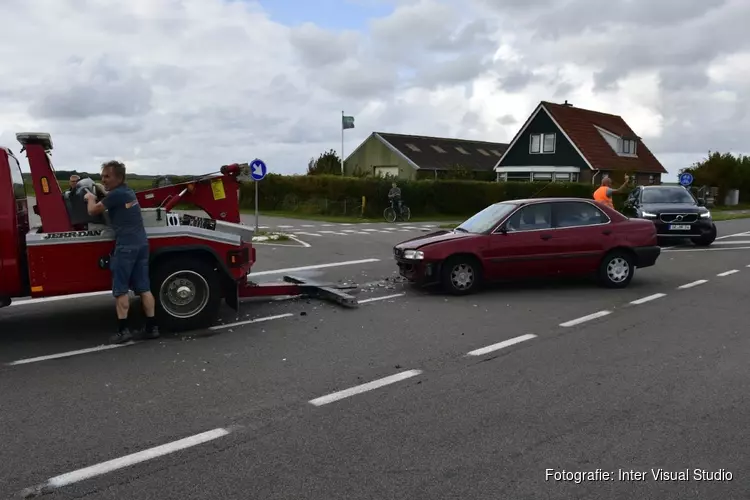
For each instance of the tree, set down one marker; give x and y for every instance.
(724, 171)
(328, 163)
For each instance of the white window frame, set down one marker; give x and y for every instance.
(438, 148)
(542, 139)
(628, 147)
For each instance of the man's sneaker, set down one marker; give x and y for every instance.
(121, 337)
(150, 335)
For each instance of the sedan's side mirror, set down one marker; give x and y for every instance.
(701, 202)
(502, 230)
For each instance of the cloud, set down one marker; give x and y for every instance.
(187, 85)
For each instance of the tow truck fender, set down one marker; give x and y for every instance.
(230, 285)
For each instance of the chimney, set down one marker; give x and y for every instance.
(567, 104)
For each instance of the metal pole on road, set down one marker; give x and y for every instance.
(258, 171)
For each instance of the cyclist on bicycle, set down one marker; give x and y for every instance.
(394, 195)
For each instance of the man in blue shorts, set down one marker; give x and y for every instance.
(129, 261)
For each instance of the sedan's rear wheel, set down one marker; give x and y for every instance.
(461, 275)
(617, 269)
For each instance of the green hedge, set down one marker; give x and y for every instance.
(324, 194)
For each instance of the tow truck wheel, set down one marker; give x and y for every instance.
(187, 292)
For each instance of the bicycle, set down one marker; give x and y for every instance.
(390, 214)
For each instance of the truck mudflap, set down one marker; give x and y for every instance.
(294, 286)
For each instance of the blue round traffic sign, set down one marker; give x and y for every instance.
(686, 179)
(257, 170)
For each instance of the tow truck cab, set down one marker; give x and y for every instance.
(14, 225)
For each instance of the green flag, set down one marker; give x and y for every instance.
(347, 122)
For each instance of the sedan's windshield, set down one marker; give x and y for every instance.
(487, 218)
(667, 195)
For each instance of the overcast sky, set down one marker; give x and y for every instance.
(184, 86)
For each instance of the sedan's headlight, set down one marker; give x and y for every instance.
(414, 254)
(706, 214)
(648, 214)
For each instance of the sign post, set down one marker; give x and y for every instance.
(257, 172)
(686, 178)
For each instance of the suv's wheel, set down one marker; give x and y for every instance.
(187, 290)
(616, 269)
(704, 241)
(461, 275)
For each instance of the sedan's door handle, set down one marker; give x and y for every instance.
(607, 232)
(546, 237)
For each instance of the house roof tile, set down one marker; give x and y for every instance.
(579, 123)
(440, 153)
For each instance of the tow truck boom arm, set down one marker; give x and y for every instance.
(217, 194)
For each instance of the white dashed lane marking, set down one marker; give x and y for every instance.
(501, 345)
(122, 462)
(649, 298)
(359, 389)
(692, 284)
(727, 273)
(583, 319)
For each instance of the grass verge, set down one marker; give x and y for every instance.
(265, 236)
(720, 215)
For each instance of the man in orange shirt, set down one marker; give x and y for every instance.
(605, 191)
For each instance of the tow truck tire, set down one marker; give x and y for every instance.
(187, 290)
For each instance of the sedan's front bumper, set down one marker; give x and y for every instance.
(419, 272)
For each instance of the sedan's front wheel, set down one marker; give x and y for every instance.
(461, 275)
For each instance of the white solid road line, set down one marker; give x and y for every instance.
(584, 319)
(359, 389)
(57, 298)
(68, 354)
(122, 462)
(649, 298)
(711, 249)
(732, 242)
(500, 345)
(385, 297)
(259, 273)
(692, 284)
(316, 266)
(746, 233)
(251, 321)
(727, 273)
(309, 234)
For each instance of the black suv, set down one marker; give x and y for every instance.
(674, 211)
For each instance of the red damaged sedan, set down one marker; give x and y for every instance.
(541, 237)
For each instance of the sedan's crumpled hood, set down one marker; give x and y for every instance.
(673, 208)
(429, 239)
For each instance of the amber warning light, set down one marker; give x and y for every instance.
(45, 185)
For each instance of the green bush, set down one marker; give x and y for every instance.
(327, 194)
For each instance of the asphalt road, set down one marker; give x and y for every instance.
(252, 410)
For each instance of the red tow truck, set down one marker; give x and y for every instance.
(196, 262)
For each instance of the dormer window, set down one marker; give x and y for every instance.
(628, 146)
(620, 145)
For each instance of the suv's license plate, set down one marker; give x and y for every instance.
(680, 227)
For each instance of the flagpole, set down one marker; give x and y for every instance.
(342, 143)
